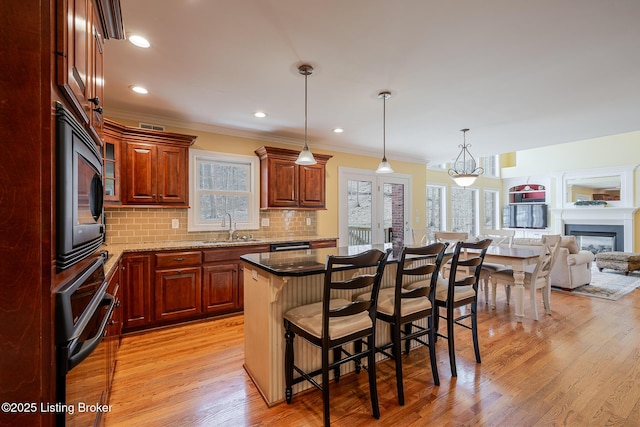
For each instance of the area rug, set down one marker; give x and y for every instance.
(606, 284)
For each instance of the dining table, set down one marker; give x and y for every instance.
(518, 259)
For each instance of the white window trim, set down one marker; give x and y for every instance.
(254, 182)
(443, 207)
(497, 212)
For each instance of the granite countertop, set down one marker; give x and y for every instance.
(306, 262)
(116, 250)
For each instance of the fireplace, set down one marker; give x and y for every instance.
(597, 238)
(586, 221)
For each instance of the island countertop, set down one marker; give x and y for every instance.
(307, 262)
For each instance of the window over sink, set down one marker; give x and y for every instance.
(223, 185)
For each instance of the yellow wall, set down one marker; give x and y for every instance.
(327, 220)
(606, 152)
(609, 151)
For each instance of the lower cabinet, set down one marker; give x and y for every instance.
(178, 286)
(175, 286)
(114, 326)
(136, 277)
(221, 288)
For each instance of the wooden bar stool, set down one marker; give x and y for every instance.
(334, 322)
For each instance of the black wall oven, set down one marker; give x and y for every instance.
(83, 310)
(79, 192)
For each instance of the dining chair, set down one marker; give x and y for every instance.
(409, 301)
(334, 322)
(498, 238)
(420, 236)
(461, 290)
(537, 278)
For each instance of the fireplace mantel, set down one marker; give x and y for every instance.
(598, 216)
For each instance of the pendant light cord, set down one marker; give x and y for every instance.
(306, 75)
(384, 128)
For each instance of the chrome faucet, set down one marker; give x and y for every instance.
(232, 228)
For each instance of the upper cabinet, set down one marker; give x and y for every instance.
(79, 49)
(286, 185)
(146, 167)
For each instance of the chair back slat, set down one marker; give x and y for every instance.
(354, 308)
(372, 258)
(357, 282)
(430, 271)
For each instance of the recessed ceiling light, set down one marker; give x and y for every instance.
(139, 41)
(139, 89)
(338, 130)
(260, 114)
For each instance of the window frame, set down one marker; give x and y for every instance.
(253, 221)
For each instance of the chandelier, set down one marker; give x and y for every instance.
(465, 170)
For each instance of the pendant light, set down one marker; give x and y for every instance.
(465, 170)
(305, 157)
(384, 166)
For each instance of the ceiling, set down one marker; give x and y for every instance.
(519, 74)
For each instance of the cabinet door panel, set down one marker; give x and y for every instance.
(312, 186)
(283, 183)
(220, 291)
(96, 81)
(178, 293)
(137, 291)
(172, 175)
(73, 53)
(141, 176)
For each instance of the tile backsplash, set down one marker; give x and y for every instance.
(138, 225)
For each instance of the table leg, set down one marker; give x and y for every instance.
(518, 277)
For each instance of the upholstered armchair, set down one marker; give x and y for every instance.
(572, 268)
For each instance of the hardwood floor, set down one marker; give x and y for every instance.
(578, 367)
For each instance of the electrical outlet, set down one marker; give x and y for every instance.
(308, 221)
(175, 223)
(265, 222)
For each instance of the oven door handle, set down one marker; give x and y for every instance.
(89, 345)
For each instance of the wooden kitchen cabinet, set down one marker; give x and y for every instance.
(316, 244)
(178, 286)
(136, 279)
(79, 48)
(114, 327)
(286, 185)
(152, 167)
(220, 287)
(223, 285)
(112, 160)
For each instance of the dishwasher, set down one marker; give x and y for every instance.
(288, 246)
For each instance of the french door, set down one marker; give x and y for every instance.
(373, 208)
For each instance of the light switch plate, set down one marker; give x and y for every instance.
(265, 222)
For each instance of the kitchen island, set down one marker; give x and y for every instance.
(277, 282)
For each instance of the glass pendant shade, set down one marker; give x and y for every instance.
(384, 167)
(465, 180)
(305, 157)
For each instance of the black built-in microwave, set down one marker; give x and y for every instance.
(79, 192)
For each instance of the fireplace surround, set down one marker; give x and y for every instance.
(594, 220)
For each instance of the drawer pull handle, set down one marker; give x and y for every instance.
(179, 259)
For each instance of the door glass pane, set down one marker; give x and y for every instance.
(393, 213)
(359, 218)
